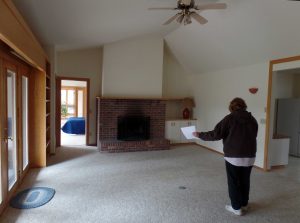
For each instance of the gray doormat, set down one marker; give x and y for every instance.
(32, 197)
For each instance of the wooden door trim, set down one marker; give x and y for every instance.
(58, 107)
(269, 97)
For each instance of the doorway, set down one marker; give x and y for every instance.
(283, 97)
(72, 102)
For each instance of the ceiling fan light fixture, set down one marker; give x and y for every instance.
(188, 10)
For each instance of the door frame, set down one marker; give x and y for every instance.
(9, 66)
(13, 63)
(58, 107)
(272, 63)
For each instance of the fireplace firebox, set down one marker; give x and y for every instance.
(110, 111)
(133, 128)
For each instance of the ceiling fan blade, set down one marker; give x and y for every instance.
(180, 18)
(163, 8)
(198, 18)
(172, 19)
(211, 6)
(187, 19)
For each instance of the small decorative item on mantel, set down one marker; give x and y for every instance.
(188, 104)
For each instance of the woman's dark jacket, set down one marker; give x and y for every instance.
(238, 131)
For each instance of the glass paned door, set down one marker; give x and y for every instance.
(11, 128)
(25, 121)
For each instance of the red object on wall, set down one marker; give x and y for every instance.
(186, 113)
(253, 90)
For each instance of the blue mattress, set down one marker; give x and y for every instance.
(74, 125)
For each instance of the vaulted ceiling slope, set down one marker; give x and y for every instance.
(247, 32)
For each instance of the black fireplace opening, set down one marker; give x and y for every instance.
(132, 128)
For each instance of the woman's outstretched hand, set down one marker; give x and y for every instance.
(196, 134)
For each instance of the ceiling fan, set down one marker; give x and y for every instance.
(188, 10)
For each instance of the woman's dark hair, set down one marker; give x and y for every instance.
(237, 104)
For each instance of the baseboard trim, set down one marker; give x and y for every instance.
(277, 167)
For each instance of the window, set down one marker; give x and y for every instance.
(68, 103)
(73, 102)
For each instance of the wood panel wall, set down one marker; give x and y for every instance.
(37, 118)
(15, 33)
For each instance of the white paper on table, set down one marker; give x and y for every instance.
(188, 132)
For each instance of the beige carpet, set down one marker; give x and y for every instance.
(69, 140)
(144, 187)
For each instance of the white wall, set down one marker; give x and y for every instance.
(213, 91)
(175, 84)
(282, 87)
(85, 63)
(133, 67)
(175, 77)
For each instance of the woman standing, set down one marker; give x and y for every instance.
(238, 130)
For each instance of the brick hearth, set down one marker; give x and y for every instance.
(108, 111)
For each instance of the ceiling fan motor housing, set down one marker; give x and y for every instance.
(188, 10)
(182, 5)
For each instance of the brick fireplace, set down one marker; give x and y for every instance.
(108, 111)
